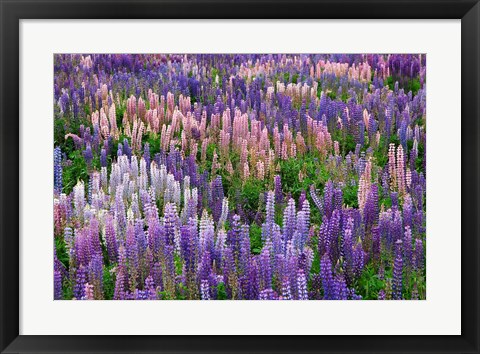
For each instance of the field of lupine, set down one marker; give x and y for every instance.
(270, 177)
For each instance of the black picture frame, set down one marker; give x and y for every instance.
(12, 11)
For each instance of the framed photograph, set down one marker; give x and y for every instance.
(207, 176)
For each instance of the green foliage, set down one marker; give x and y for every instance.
(74, 171)
(178, 264)
(412, 85)
(108, 283)
(221, 292)
(348, 144)
(386, 202)
(312, 170)
(251, 193)
(390, 83)
(210, 150)
(406, 83)
(350, 196)
(380, 153)
(316, 257)
(67, 288)
(369, 284)
(332, 95)
(61, 251)
(255, 238)
(420, 157)
(394, 140)
(154, 142)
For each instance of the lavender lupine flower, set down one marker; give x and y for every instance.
(79, 199)
(303, 224)
(234, 235)
(268, 294)
(302, 285)
(407, 248)
(316, 200)
(150, 288)
(205, 289)
(265, 269)
(286, 291)
(170, 223)
(267, 227)
(398, 272)
(110, 238)
(57, 170)
(289, 220)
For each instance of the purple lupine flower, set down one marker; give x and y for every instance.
(327, 277)
(80, 280)
(302, 198)
(57, 285)
(328, 199)
(398, 272)
(110, 238)
(217, 198)
(333, 234)
(358, 258)
(353, 295)
(278, 189)
(103, 157)
(95, 275)
(253, 281)
(419, 254)
(337, 199)
(88, 155)
(229, 273)
(126, 149)
(340, 288)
